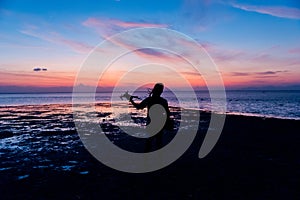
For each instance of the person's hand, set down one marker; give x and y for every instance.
(126, 95)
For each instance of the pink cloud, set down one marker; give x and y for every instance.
(159, 56)
(124, 24)
(90, 22)
(107, 27)
(77, 46)
(137, 24)
(231, 59)
(294, 51)
(277, 11)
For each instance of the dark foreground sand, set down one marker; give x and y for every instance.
(42, 157)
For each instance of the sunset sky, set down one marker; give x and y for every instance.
(253, 43)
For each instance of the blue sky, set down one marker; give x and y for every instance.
(254, 43)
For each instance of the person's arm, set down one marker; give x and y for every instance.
(167, 109)
(169, 125)
(141, 105)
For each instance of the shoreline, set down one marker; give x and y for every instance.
(227, 113)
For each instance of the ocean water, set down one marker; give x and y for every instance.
(279, 104)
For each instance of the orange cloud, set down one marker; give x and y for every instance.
(36, 79)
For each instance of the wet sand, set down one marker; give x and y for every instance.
(42, 157)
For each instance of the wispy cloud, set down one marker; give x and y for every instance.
(96, 22)
(240, 74)
(152, 45)
(26, 75)
(26, 78)
(150, 52)
(75, 45)
(196, 74)
(107, 27)
(268, 58)
(294, 51)
(125, 24)
(271, 72)
(56, 38)
(277, 11)
(266, 73)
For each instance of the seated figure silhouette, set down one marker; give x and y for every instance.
(154, 99)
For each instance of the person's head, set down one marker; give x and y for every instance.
(157, 89)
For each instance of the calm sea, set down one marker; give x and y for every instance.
(280, 104)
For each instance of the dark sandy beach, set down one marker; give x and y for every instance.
(42, 157)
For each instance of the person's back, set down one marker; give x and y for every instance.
(154, 98)
(158, 100)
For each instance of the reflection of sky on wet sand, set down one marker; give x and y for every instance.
(39, 136)
(34, 135)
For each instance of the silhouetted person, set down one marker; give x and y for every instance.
(154, 98)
